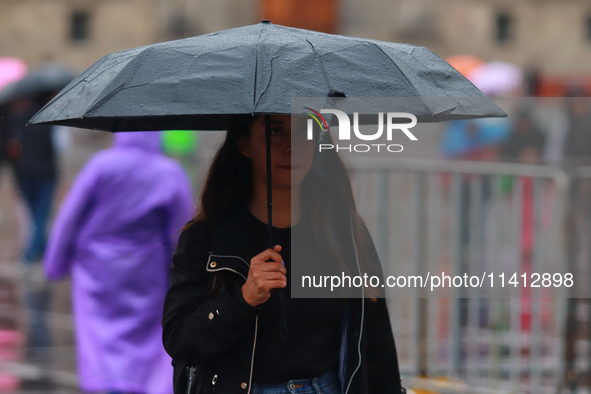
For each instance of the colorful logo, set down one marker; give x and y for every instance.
(323, 125)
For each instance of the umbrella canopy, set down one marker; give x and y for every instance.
(196, 83)
(45, 79)
(199, 82)
(11, 70)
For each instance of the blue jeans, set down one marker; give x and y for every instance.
(327, 383)
(38, 194)
(37, 191)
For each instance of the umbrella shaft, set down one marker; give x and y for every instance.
(269, 185)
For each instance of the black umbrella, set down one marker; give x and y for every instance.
(199, 82)
(196, 83)
(47, 78)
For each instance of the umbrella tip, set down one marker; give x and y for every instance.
(267, 21)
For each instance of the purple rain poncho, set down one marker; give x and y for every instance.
(115, 233)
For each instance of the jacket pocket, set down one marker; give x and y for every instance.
(199, 381)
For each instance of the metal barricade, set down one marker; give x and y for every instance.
(469, 217)
(578, 247)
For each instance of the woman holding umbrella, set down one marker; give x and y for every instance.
(225, 327)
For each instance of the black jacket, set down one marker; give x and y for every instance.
(212, 340)
(38, 157)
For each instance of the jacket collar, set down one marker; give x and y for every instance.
(230, 246)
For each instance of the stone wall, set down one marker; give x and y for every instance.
(550, 33)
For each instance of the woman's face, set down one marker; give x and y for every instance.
(291, 155)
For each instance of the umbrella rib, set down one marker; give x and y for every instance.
(86, 79)
(256, 70)
(321, 64)
(131, 66)
(64, 107)
(401, 72)
(268, 83)
(434, 79)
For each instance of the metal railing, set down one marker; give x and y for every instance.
(472, 217)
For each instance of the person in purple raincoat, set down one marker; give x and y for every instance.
(115, 234)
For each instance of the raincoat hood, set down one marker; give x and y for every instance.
(148, 141)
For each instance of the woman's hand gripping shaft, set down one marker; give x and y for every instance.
(265, 274)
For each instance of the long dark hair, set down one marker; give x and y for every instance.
(229, 179)
(229, 183)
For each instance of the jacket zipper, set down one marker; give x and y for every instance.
(256, 326)
(362, 309)
(256, 321)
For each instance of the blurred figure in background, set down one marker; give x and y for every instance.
(526, 142)
(577, 145)
(577, 152)
(556, 120)
(11, 70)
(32, 154)
(115, 234)
(3, 138)
(182, 146)
(525, 145)
(475, 139)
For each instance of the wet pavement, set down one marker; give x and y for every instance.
(24, 369)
